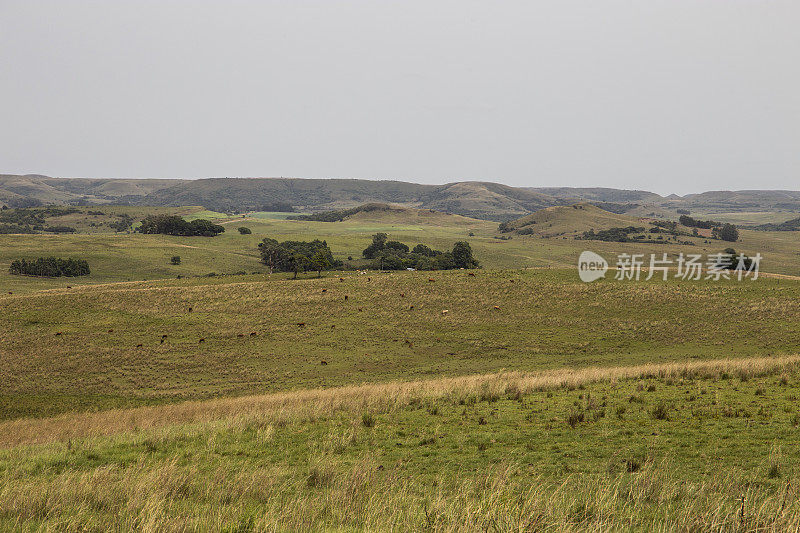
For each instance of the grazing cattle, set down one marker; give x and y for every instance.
(431, 279)
(324, 290)
(333, 326)
(471, 274)
(410, 308)
(240, 335)
(341, 279)
(301, 324)
(497, 307)
(360, 308)
(190, 309)
(9, 292)
(138, 345)
(323, 363)
(58, 334)
(402, 295)
(345, 297)
(164, 336)
(69, 286)
(253, 334)
(369, 279)
(202, 341)
(445, 311)
(111, 331)
(162, 341)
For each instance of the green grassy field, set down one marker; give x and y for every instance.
(253, 402)
(391, 326)
(123, 257)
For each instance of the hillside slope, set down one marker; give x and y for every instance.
(569, 220)
(32, 190)
(391, 214)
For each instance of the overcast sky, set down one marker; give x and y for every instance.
(664, 95)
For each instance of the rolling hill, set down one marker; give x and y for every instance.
(390, 214)
(569, 220)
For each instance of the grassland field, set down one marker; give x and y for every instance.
(516, 399)
(134, 257)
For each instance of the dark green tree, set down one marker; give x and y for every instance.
(377, 246)
(421, 249)
(462, 255)
(727, 232)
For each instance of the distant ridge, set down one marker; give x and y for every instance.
(476, 199)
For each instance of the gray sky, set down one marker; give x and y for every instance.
(664, 95)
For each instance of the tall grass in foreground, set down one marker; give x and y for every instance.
(172, 496)
(316, 403)
(247, 464)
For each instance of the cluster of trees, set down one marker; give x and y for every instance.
(123, 224)
(613, 234)
(727, 232)
(732, 260)
(31, 220)
(60, 229)
(176, 225)
(51, 267)
(297, 256)
(690, 222)
(277, 207)
(395, 255)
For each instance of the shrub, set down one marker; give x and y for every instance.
(368, 420)
(774, 472)
(175, 260)
(245, 231)
(660, 412)
(574, 418)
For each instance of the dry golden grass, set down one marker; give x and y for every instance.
(314, 403)
(171, 497)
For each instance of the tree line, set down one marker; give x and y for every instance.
(176, 225)
(51, 267)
